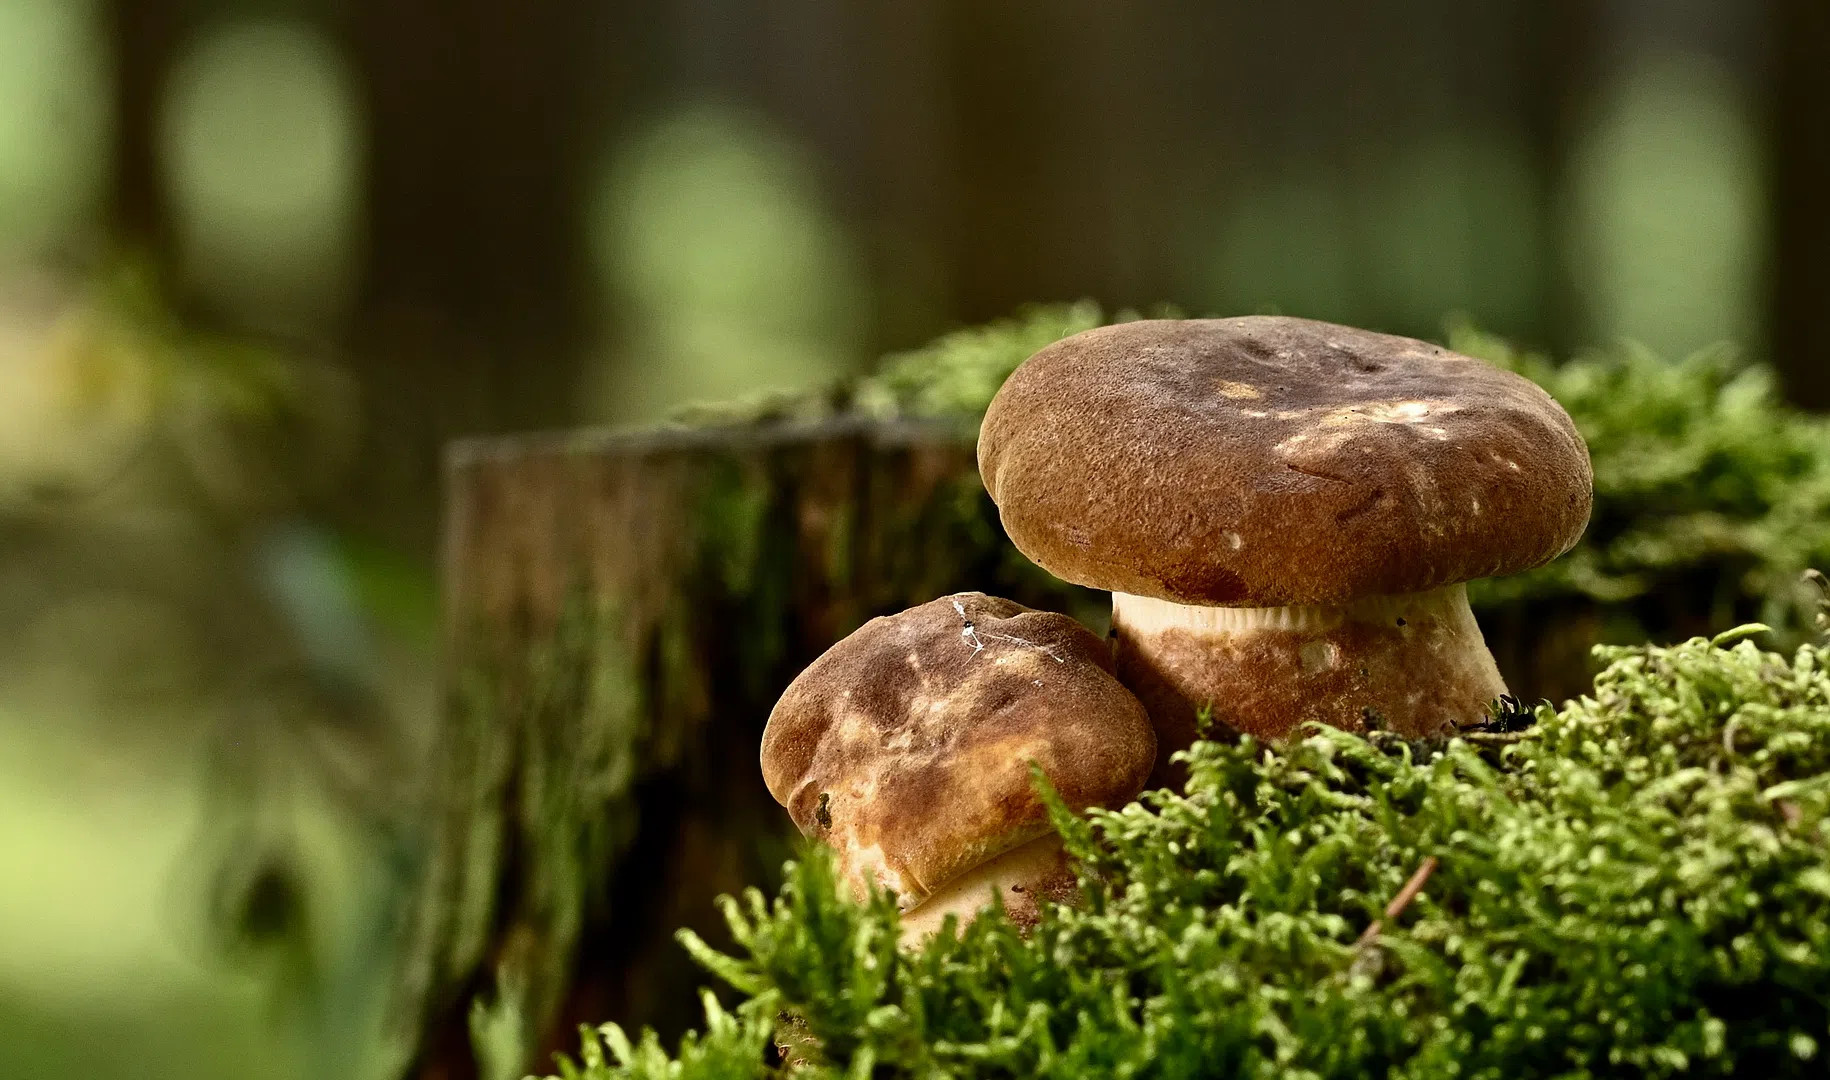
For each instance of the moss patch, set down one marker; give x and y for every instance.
(1637, 885)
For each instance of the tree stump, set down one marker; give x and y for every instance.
(621, 613)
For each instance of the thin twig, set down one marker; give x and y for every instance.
(1494, 738)
(976, 638)
(1728, 735)
(1402, 900)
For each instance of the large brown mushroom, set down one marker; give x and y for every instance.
(1285, 512)
(907, 748)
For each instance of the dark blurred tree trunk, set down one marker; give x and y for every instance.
(1057, 123)
(475, 286)
(142, 37)
(1556, 50)
(911, 161)
(1800, 164)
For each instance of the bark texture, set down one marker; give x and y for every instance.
(622, 612)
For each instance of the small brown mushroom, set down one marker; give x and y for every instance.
(1286, 512)
(907, 749)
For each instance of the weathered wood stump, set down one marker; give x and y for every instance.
(622, 612)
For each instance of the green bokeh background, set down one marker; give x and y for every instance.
(259, 259)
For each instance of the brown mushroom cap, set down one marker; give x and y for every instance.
(1266, 462)
(907, 746)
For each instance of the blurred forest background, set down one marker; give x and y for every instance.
(260, 259)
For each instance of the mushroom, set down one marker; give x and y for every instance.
(907, 749)
(1286, 513)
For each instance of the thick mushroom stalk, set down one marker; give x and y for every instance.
(1414, 664)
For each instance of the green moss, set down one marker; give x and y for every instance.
(499, 1032)
(535, 812)
(1637, 885)
(730, 512)
(841, 544)
(956, 375)
(1703, 478)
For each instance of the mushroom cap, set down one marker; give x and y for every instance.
(1266, 462)
(907, 746)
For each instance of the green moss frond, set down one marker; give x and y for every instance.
(956, 375)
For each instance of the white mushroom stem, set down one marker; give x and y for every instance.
(1414, 663)
(1023, 877)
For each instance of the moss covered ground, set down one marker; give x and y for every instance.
(1636, 884)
